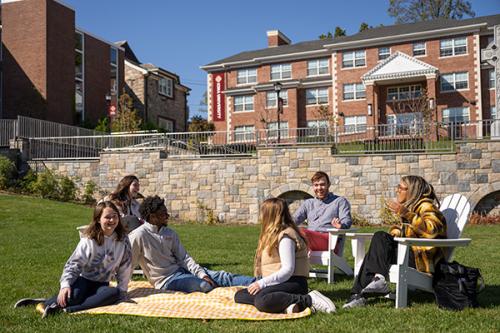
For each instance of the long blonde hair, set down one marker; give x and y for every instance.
(274, 218)
(418, 189)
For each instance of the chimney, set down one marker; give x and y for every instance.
(277, 38)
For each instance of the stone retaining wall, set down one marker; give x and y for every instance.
(234, 188)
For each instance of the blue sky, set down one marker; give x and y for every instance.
(181, 36)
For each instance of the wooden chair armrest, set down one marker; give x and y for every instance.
(433, 242)
(335, 231)
(360, 235)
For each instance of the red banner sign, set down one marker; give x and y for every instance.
(112, 110)
(218, 98)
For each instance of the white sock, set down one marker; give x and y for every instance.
(380, 276)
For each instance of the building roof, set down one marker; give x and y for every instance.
(373, 36)
(129, 53)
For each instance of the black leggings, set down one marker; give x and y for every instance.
(383, 252)
(275, 299)
(87, 294)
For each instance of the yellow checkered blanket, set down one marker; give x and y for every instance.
(217, 304)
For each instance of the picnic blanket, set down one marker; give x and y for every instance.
(217, 304)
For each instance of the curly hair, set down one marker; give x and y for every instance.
(150, 205)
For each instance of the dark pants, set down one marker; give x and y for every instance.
(383, 253)
(275, 299)
(87, 294)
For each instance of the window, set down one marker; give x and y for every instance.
(355, 124)
(403, 92)
(165, 87)
(384, 53)
(453, 115)
(354, 91)
(454, 81)
(317, 67)
(113, 59)
(244, 133)
(353, 59)
(272, 129)
(271, 98)
(418, 49)
(491, 81)
(452, 47)
(316, 96)
(317, 127)
(281, 71)
(493, 113)
(166, 124)
(79, 76)
(243, 103)
(246, 76)
(404, 123)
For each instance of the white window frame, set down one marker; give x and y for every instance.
(453, 47)
(358, 124)
(415, 49)
(453, 82)
(246, 75)
(317, 66)
(493, 113)
(271, 99)
(169, 124)
(456, 111)
(114, 88)
(272, 129)
(244, 101)
(491, 79)
(358, 91)
(399, 94)
(283, 71)
(165, 86)
(319, 98)
(244, 133)
(81, 80)
(354, 56)
(317, 127)
(404, 123)
(384, 55)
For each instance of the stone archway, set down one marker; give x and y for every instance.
(293, 194)
(486, 199)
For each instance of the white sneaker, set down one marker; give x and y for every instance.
(378, 287)
(321, 303)
(292, 308)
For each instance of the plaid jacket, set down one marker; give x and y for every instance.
(425, 221)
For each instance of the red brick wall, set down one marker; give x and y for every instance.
(24, 38)
(60, 63)
(462, 63)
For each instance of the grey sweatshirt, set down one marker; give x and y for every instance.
(160, 253)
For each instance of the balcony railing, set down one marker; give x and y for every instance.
(391, 138)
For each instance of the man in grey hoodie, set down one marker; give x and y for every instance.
(164, 260)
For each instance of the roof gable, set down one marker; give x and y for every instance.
(399, 65)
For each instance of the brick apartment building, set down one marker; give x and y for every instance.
(358, 79)
(53, 70)
(158, 94)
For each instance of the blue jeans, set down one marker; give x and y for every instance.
(183, 280)
(87, 294)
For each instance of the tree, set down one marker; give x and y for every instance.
(126, 119)
(364, 26)
(339, 32)
(202, 107)
(323, 36)
(408, 11)
(200, 124)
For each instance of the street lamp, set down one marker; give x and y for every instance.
(277, 89)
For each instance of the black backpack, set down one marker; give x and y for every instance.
(456, 286)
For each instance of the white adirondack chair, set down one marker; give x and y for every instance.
(329, 258)
(456, 210)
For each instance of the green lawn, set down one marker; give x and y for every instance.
(37, 236)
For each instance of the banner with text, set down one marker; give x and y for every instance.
(218, 99)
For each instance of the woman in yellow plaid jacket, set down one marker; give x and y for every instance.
(416, 205)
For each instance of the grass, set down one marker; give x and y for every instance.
(37, 236)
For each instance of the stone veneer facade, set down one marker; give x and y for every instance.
(234, 188)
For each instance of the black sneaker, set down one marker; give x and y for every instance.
(50, 310)
(29, 301)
